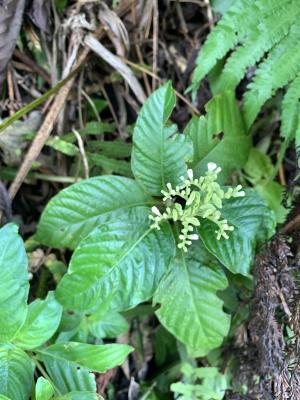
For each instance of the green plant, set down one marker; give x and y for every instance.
(121, 260)
(270, 36)
(27, 336)
(200, 384)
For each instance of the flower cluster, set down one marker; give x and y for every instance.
(203, 199)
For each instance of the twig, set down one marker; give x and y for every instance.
(291, 225)
(33, 66)
(82, 153)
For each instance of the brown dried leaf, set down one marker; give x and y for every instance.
(11, 16)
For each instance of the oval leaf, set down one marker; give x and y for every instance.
(190, 308)
(16, 377)
(123, 259)
(253, 223)
(77, 210)
(98, 358)
(41, 323)
(159, 153)
(14, 283)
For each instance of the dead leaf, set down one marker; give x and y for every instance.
(12, 139)
(117, 64)
(39, 13)
(115, 29)
(11, 17)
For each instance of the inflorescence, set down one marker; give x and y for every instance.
(203, 199)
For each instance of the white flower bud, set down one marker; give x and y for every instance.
(190, 174)
(155, 211)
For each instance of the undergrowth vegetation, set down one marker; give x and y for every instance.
(154, 269)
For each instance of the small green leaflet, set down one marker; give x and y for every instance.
(14, 283)
(201, 383)
(16, 377)
(98, 358)
(219, 137)
(41, 323)
(122, 258)
(159, 153)
(253, 222)
(43, 389)
(259, 172)
(190, 308)
(77, 210)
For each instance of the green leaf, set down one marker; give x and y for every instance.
(109, 165)
(259, 171)
(220, 137)
(43, 389)
(16, 377)
(4, 397)
(98, 358)
(291, 110)
(206, 383)
(76, 211)
(259, 167)
(273, 194)
(68, 377)
(122, 258)
(81, 396)
(41, 323)
(273, 74)
(14, 283)
(190, 308)
(110, 325)
(159, 153)
(64, 147)
(253, 223)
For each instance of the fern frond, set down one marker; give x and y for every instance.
(271, 30)
(280, 67)
(291, 110)
(242, 19)
(223, 37)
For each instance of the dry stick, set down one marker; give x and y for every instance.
(82, 153)
(45, 130)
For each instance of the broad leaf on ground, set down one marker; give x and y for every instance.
(14, 283)
(159, 153)
(253, 222)
(219, 137)
(16, 376)
(98, 358)
(123, 258)
(77, 210)
(42, 321)
(190, 308)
